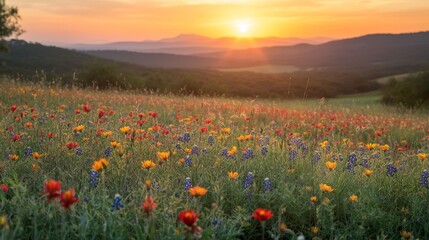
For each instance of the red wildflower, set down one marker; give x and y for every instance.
(165, 131)
(204, 129)
(148, 205)
(207, 121)
(4, 188)
(77, 111)
(16, 137)
(67, 198)
(71, 145)
(262, 214)
(153, 114)
(52, 188)
(86, 108)
(13, 108)
(141, 122)
(140, 115)
(50, 135)
(101, 113)
(188, 217)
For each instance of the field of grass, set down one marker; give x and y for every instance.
(325, 169)
(398, 77)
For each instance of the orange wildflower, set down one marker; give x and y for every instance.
(197, 191)
(233, 175)
(325, 188)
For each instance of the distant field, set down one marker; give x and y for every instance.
(370, 98)
(264, 69)
(399, 77)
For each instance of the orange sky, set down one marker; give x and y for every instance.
(99, 21)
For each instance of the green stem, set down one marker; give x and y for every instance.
(263, 230)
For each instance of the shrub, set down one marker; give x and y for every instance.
(411, 92)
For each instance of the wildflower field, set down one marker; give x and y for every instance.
(82, 164)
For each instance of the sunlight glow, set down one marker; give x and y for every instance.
(243, 26)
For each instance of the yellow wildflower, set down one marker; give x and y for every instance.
(384, 147)
(331, 165)
(233, 175)
(233, 151)
(97, 166)
(314, 230)
(325, 188)
(422, 156)
(353, 198)
(147, 183)
(283, 227)
(367, 172)
(79, 128)
(405, 234)
(148, 164)
(226, 130)
(197, 191)
(125, 129)
(163, 155)
(107, 134)
(371, 146)
(115, 144)
(36, 155)
(100, 164)
(324, 144)
(244, 137)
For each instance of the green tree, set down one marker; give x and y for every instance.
(412, 91)
(9, 24)
(102, 75)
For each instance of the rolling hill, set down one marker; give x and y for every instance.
(374, 56)
(162, 60)
(187, 44)
(377, 50)
(33, 62)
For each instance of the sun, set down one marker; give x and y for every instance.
(243, 26)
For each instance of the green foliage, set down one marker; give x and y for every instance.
(102, 75)
(9, 25)
(410, 92)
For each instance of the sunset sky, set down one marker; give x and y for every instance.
(100, 21)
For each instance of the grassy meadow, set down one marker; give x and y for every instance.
(347, 168)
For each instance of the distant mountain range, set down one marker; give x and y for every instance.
(392, 53)
(186, 44)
